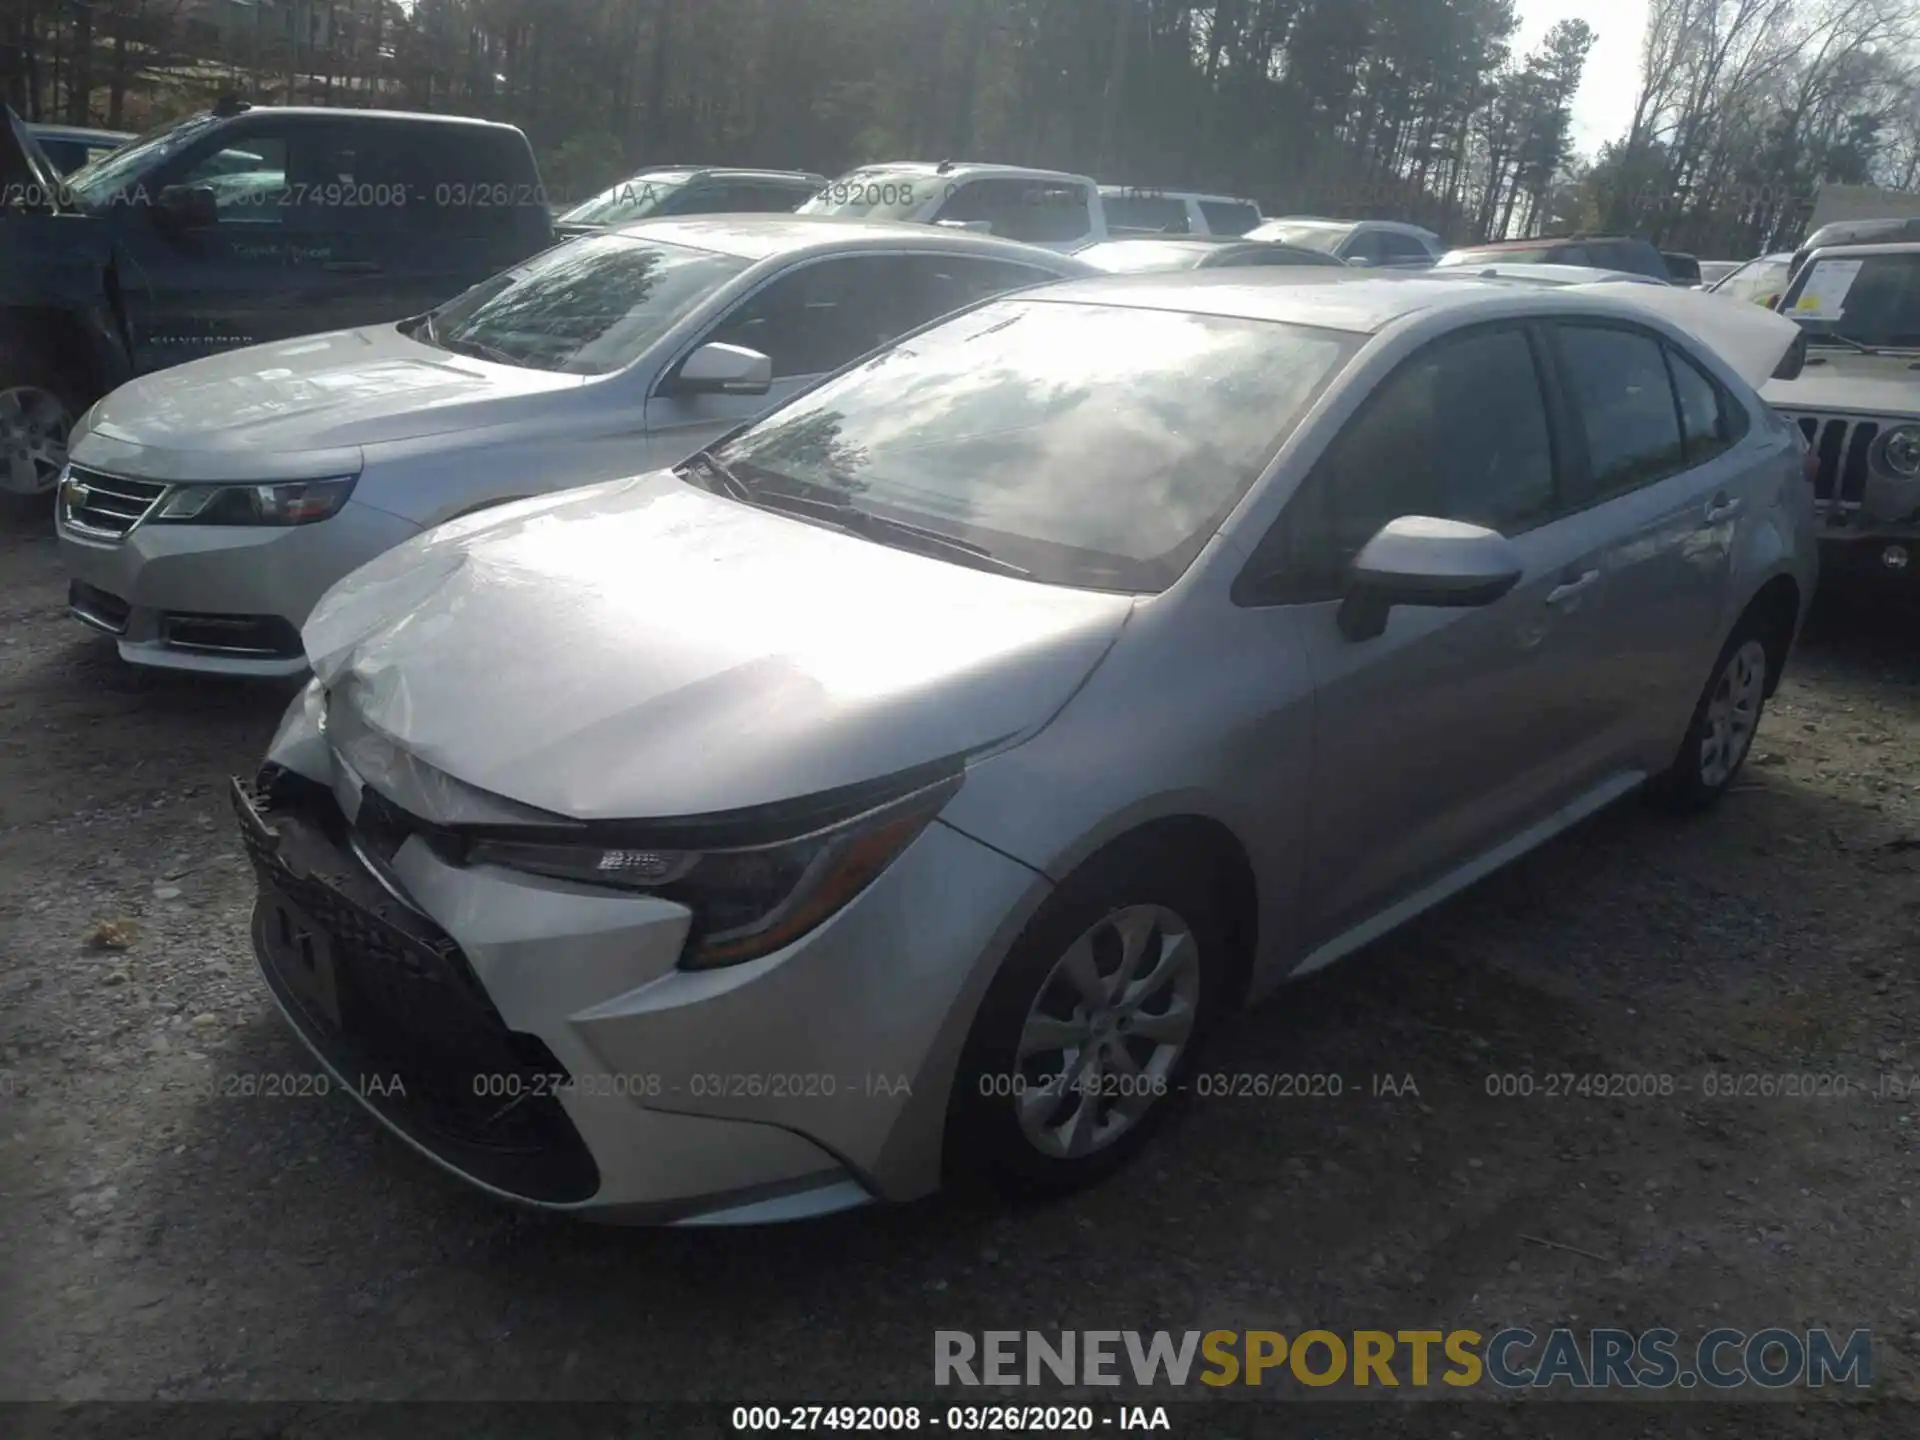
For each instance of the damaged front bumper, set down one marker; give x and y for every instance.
(539, 1038)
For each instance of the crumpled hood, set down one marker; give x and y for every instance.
(644, 650)
(300, 405)
(1861, 384)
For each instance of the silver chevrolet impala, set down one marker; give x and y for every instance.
(205, 508)
(907, 784)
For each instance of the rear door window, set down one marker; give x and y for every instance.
(1403, 249)
(1623, 402)
(1281, 255)
(768, 197)
(1155, 214)
(1639, 258)
(1364, 246)
(1229, 217)
(1711, 422)
(455, 181)
(1040, 212)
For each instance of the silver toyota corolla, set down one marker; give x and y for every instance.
(205, 508)
(908, 783)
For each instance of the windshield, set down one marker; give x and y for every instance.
(633, 199)
(1873, 300)
(1126, 256)
(114, 178)
(1522, 255)
(877, 193)
(1314, 237)
(585, 308)
(1091, 445)
(1757, 281)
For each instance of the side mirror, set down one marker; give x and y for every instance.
(187, 207)
(718, 369)
(1362, 261)
(1418, 560)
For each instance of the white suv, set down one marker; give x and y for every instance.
(1857, 400)
(1049, 208)
(1133, 209)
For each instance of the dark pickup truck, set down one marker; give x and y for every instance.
(234, 227)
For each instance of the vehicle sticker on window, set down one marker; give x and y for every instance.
(1825, 295)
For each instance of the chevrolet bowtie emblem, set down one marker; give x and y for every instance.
(75, 494)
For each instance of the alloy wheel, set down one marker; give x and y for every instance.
(1106, 1029)
(1733, 713)
(34, 426)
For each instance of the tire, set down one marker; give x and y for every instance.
(38, 408)
(1077, 1134)
(1720, 736)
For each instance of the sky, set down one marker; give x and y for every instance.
(1604, 108)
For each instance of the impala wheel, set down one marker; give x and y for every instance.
(34, 425)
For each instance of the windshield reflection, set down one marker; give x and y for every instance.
(1126, 257)
(1092, 445)
(585, 308)
(113, 178)
(633, 199)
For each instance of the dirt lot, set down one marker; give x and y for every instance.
(159, 1243)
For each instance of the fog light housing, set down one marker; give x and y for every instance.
(1894, 558)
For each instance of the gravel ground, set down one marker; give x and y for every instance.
(159, 1241)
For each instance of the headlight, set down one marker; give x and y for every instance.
(746, 902)
(1900, 452)
(300, 502)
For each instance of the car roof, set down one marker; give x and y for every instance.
(1554, 240)
(1215, 242)
(949, 168)
(1156, 239)
(1327, 299)
(1545, 271)
(1151, 192)
(76, 132)
(1321, 222)
(725, 172)
(336, 112)
(761, 237)
(1883, 247)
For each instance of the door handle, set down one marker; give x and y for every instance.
(352, 267)
(1566, 590)
(1722, 508)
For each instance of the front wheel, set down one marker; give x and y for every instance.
(37, 413)
(1724, 723)
(1088, 1034)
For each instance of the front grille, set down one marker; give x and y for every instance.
(108, 506)
(407, 1007)
(1843, 446)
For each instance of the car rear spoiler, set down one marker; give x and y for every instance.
(1759, 344)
